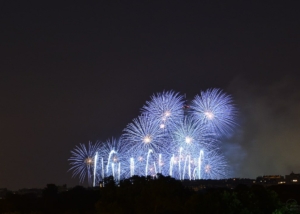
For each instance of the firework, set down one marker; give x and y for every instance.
(190, 135)
(166, 108)
(82, 161)
(164, 139)
(146, 141)
(214, 165)
(144, 134)
(189, 138)
(215, 110)
(113, 155)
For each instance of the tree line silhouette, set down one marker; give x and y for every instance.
(152, 195)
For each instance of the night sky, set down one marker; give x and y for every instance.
(72, 73)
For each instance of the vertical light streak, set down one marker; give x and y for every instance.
(109, 156)
(190, 168)
(102, 168)
(183, 174)
(95, 167)
(200, 163)
(119, 171)
(131, 167)
(146, 170)
(171, 165)
(179, 164)
(159, 163)
(113, 169)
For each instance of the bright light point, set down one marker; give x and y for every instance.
(188, 140)
(167, 113)
(147, 139)
(162, 126)
(88, 161)
(207, 168)
(209, 115)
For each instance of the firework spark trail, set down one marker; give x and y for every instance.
(179, 162)
(119, 171)
(146, 169)
(200, 163)
(171, 165)
(190, 168)
(109, 157)
(113, 169)
(159, 163)
(102, 168)
(131, 167)
(95, 168)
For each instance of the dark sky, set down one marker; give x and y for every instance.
(72, 73)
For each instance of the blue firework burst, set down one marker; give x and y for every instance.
(165, 107)
(164, 139)
(144, 134)
(112, 157)
(146, 141)
(190, 135)
(189, 140)
(82, 161)
(214, 165)
(215, 110)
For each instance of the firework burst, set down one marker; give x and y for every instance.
(190, 135)
(112, 155)
(165, 139)
(82, 161)
(144, 134)
(215, 110)
(166, 108)
(214, 165)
